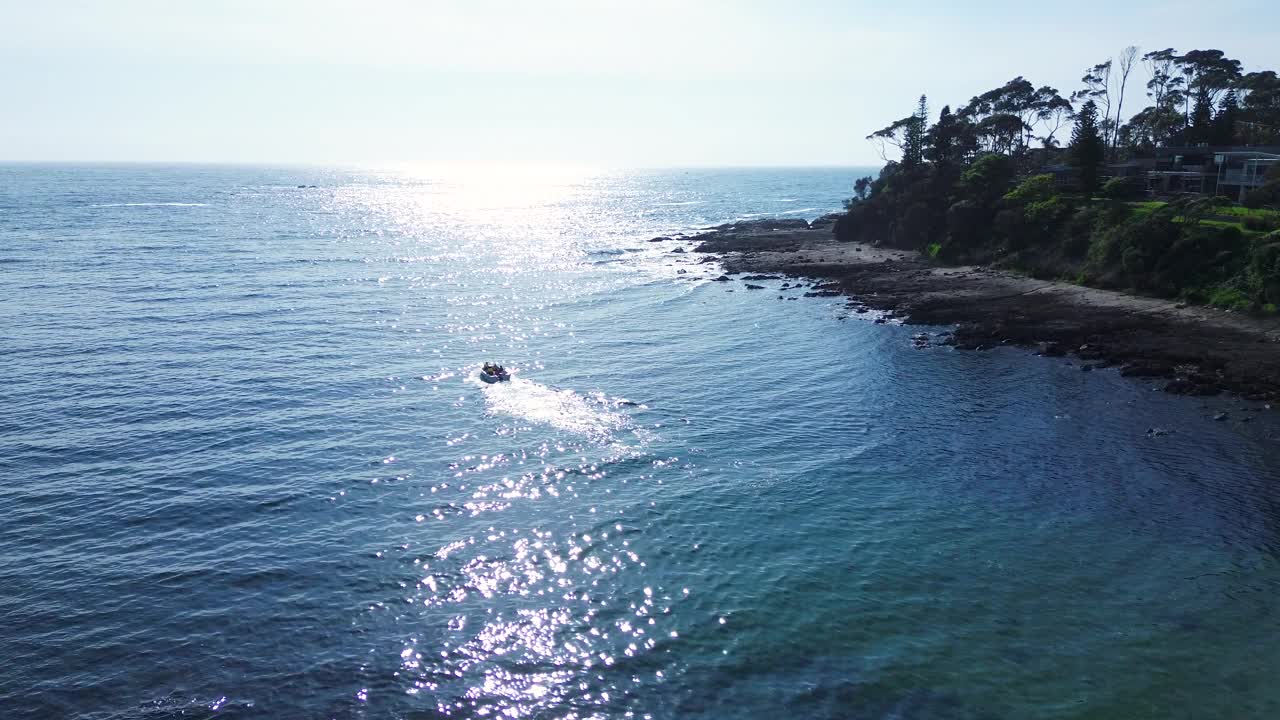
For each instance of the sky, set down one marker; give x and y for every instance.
(647, 83)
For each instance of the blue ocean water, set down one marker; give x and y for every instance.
(248, 471)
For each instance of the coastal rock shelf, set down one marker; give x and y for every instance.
(1195, 350)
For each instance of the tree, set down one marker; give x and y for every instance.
(950, 141)
(892, 135)
(1259, 95)
(1097, 87)
(1208, 74)
(1224, 122)
(913, 147)
(1054, 113)
(1087, 149)
(1201, 121)
(1003, 117)
(906, 134)
(941, 138)
(1127, 58)
(1166, 90)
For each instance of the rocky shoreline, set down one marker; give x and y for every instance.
(1192, 350)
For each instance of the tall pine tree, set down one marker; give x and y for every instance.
(913, 148)
(1224, 123)
(1087, 149)
(1201, 130)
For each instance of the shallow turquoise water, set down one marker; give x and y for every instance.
(248, 472)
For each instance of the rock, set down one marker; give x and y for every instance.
(764, 225)
(1220, 416)
(661, 239)
(1157, 432)
(722, 278)
(1086, 368)
(1146, 369)
(878, 321)
(749, 286)
(1052, 349)
(678, 250)
(681, 272)
(826, 221)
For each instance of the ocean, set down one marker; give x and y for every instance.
(249, 471)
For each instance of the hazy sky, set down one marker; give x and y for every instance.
(648, 82)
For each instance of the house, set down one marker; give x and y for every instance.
(1203, 170)
(1242, 171)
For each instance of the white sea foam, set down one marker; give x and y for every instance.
(562, 409)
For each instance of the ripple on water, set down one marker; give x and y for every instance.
(223, 496)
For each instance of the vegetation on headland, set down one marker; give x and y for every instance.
(991, 184)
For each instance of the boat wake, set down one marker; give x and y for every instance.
(561, 409)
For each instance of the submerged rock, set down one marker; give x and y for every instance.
(749, 286)
(661, 239)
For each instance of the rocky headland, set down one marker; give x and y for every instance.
(1193, 350)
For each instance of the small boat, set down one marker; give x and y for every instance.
(492, 373)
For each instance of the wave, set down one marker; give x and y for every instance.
(150, 204)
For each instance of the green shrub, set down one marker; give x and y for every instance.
(1266, 196)
(1264, 268)
(1229, 298)
(986, 180)
(1260, 223)
(1047, 213)
(1036, 188)
(1125, 188)
(1200, 257)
